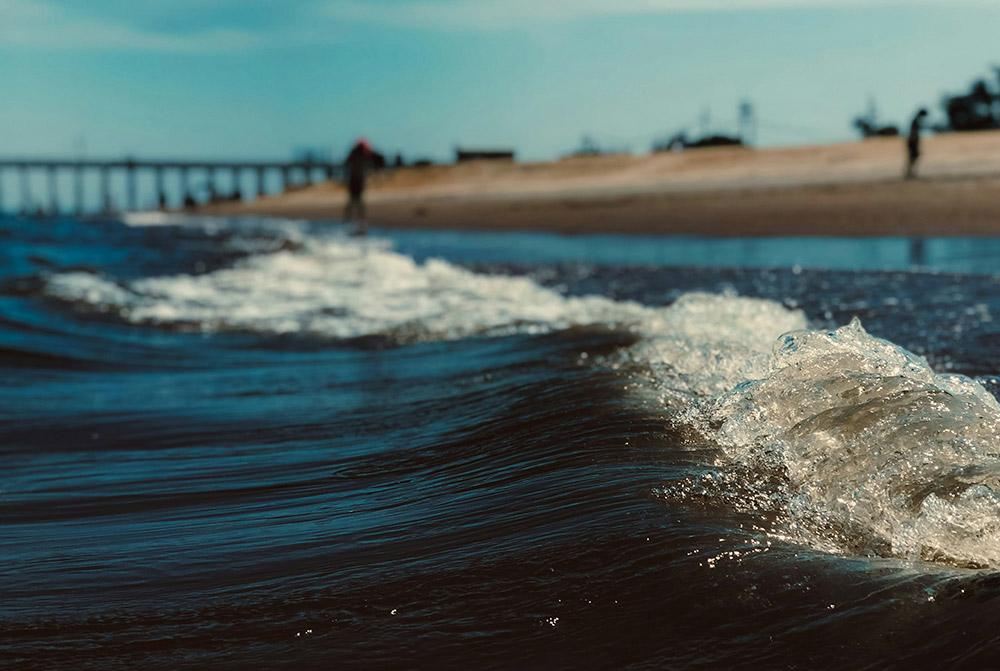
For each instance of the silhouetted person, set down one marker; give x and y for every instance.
(355, 166)
(913, 143)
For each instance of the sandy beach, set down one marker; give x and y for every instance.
(849, 189)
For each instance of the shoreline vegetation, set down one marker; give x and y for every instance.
(850, 189)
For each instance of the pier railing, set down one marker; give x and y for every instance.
(290, 173)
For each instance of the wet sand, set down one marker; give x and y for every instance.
(851, 189)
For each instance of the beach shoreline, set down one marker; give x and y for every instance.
(851, 190)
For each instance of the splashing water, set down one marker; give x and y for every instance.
(881, 455)
(865, 448)
(345, 288)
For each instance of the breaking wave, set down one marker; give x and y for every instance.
(855, 444)
(344, 288)
(879, 454)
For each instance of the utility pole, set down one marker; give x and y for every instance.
(748, 123)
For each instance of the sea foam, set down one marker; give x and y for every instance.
(860, 446)
(881, 454)
(346, 288)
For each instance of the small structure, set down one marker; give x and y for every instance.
(588, 147)
(869, 126)
(462, 155)
(746, 135)
(680, 142)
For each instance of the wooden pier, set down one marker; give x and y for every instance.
(290, 173)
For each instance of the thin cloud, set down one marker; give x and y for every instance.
(497, 14)
(38, 25)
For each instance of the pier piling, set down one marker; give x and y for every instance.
(161, 194)
(237, 191)
(105, 189)
(53, 191)
(288, 171)
(210, 181)
(78, 190)
(133, 196)
(25, 190)
(186, 197)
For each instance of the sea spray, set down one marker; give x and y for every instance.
(855, 443)
(880, 455)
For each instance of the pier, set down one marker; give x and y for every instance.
(289, 173)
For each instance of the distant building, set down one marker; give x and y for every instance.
(483, 155)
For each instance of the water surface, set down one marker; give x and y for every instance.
(265, 443)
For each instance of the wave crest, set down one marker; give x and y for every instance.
(881, 454)
(344, 289)
(858, 443)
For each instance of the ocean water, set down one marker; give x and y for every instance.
(268, 444)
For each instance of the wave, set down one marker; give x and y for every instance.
(881, 454)
(856, 444)
(345, 288)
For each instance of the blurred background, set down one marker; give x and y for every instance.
(261, 96)
(255, 79)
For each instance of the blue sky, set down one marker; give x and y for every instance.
(248, 78)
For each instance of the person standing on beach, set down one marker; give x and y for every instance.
(355, 166)
(913, 143)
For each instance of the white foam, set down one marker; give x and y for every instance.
(881, 454)
(704, 344)
(877, 453)
(209, 222)
(344, 287)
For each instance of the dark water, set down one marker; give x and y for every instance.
(215, 455)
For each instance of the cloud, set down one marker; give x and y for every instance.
(498, 14)
(34, 24)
